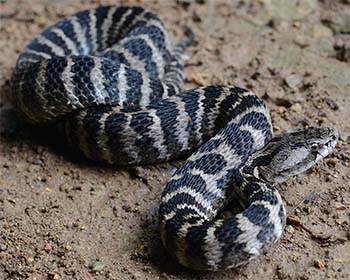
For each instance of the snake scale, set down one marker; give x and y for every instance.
(113, 78)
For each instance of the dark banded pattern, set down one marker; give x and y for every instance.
(241, 161)
(113, 78)
(110, 56)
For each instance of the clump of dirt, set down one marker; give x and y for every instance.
(63, 217)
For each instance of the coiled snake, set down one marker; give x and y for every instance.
(113, 78)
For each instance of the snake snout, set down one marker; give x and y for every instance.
(323, 142)
(328, 148)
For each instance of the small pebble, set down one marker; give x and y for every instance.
(48, 247)
(319, 263)
(311, 197)
(294, 220)
(340, 23)
(331, 162)
(293, 80)
(324, 196)
(42, 21)
(98, 266)
(11, 201)
(281, 110)
(331, 103)
(281, 274)
(54, 276)
(320, 30)
(284, 102)
(296, 108)
(198, 78)
(276, 129)
(340, 206)
(296, 24)
(290, 229)
(302, 41)
(68, 247)
(64, 188)
(3, 247)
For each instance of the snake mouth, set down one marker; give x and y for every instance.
(327, 147)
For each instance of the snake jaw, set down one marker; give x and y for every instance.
(326, 148)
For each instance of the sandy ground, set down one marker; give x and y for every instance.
(63, 217)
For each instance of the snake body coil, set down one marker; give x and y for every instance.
(113, 77)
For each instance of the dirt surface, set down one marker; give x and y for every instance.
(64, 217)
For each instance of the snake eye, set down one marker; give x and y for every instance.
(314, 147)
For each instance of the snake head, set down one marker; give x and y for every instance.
(293, 152)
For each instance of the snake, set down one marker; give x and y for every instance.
(112, 80)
